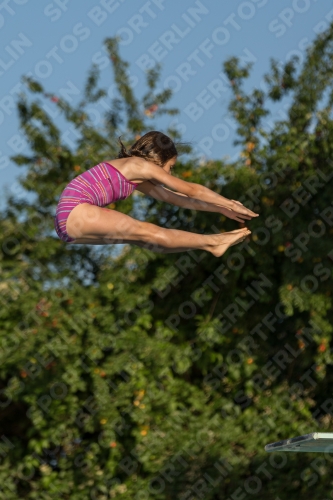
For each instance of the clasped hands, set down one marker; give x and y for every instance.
(237, 211)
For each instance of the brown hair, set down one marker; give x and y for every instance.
(153, 146)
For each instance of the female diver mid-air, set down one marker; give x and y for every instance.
(147, 166)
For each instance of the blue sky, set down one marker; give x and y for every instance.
(58, 41)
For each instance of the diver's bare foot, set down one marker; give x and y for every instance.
(223, 241)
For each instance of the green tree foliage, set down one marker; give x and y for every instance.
(138, 375)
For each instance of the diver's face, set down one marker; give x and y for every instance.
(169, 165)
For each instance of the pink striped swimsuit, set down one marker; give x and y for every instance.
(100, 185)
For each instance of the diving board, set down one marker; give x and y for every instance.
(315, 442)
